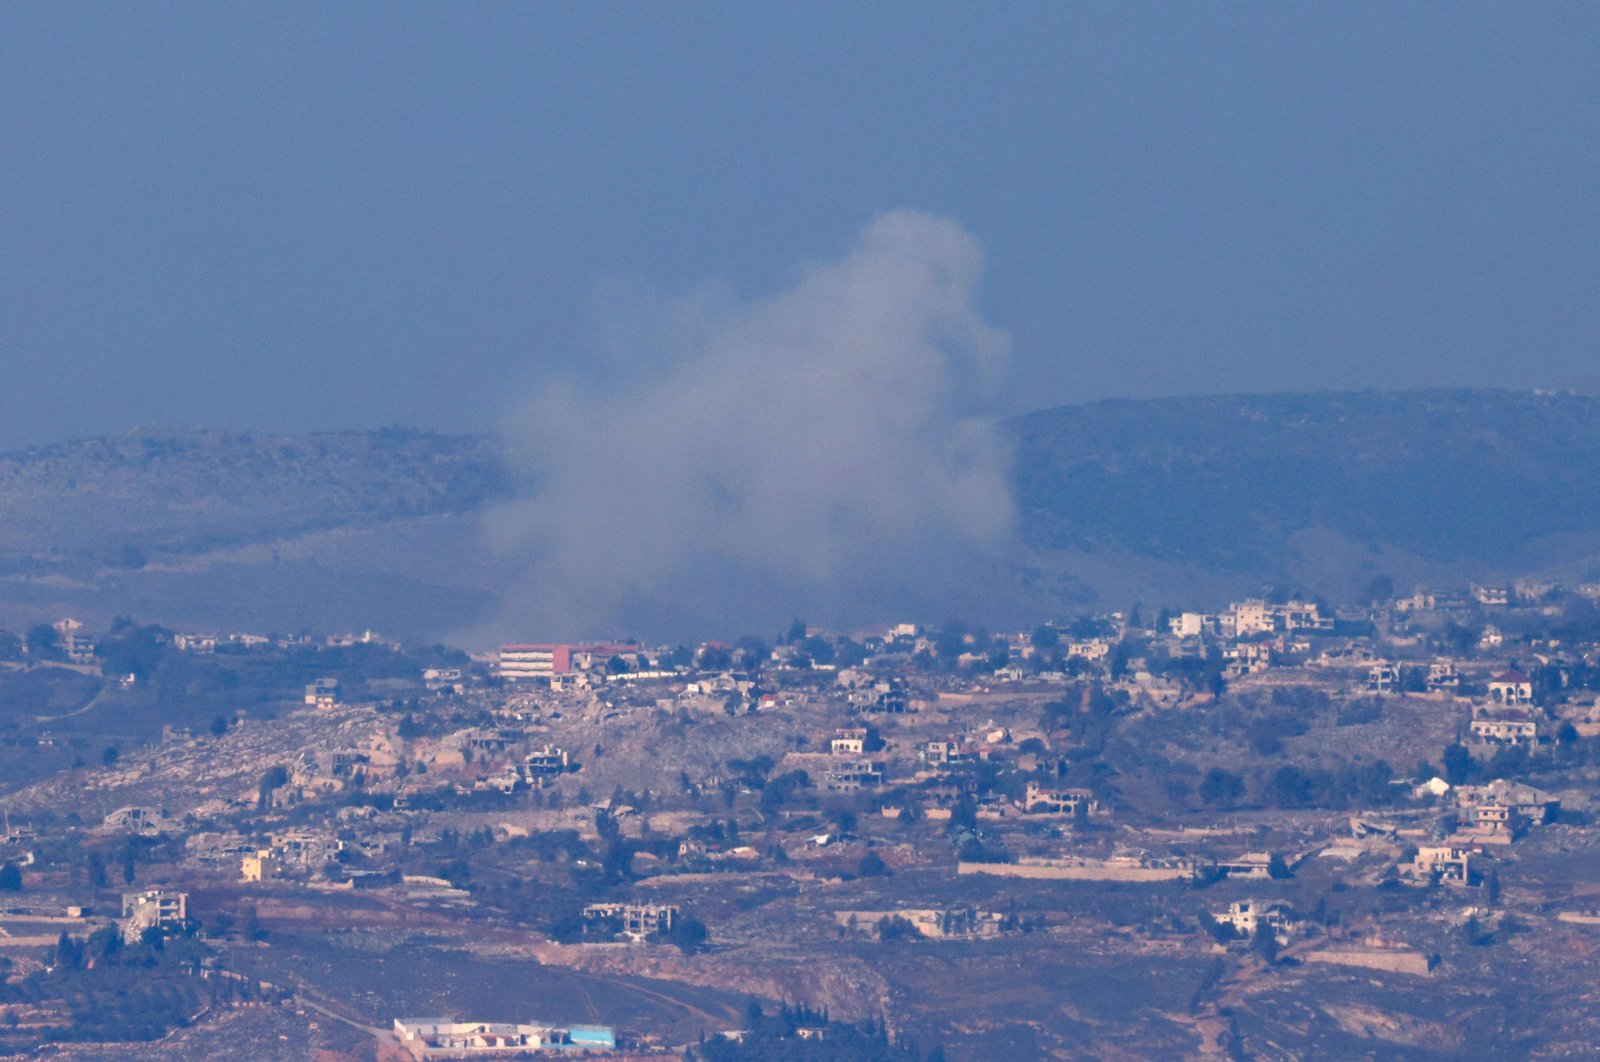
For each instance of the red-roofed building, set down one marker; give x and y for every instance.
(522, 662)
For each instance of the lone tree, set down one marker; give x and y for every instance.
(1265, 943)
(43, 641)
(1221, 788)
(688, 934)
(1457, 764)
(69, 953)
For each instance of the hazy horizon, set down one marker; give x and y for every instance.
(1581, 387)
(316, 219)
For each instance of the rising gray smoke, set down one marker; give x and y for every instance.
(818, 453)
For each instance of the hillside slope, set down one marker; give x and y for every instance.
(1171, 501)
(1238, 491)
(149, 495)
(203, 527)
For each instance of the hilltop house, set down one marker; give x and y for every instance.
(323, 693)
(636, 921)
(854, 740)
(152, 909)
(1383, 677)
(849, 775)
(146, 822)
(1503, 807)
(941, 753)
(1039, 800)
(427, 1038)
(76, 646)
(261, 865)
(1439, 864)
(1517, 727)
(1443, 677)
(1511, 687)
(1246, 916)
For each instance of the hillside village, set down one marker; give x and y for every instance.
(1263, 815)
(795, 532)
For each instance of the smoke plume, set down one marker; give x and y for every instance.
(820, 452)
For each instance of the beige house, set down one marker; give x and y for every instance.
(1503, 805)
(261, 865)
(1439, 863)
(853, 740)
(1505, 728)
(1511, 687)
(1039, 800)
(323, 693)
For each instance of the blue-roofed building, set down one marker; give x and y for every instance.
(593, 1036)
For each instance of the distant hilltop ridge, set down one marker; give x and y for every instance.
(174, 491)
(1315, 489)
(1165, 501)
(250, 529)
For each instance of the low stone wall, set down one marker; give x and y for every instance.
(1584, 918)
(1075, 872)
(1395, 961)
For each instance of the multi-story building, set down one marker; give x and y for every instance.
(521, 663)
(1511, 687)
(1245, 618)
(883, 698)
(263, 864)
(1492, 596)
(944, 753)
(323, 693)
(1041, 800)
(152, 909)
(1383, 677)
(853, 740)
(73, 643)
(638, 920)
(1505, 728)
(1246, 916)
(1443, 677)
(549, 760)
(1439, 863)
(1501, 800)
(848, 775)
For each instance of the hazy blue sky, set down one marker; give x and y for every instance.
(296, 216)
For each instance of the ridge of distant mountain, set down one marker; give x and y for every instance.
(1166, 501)
(153, 494)
(1317, 488)
(250, 531)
